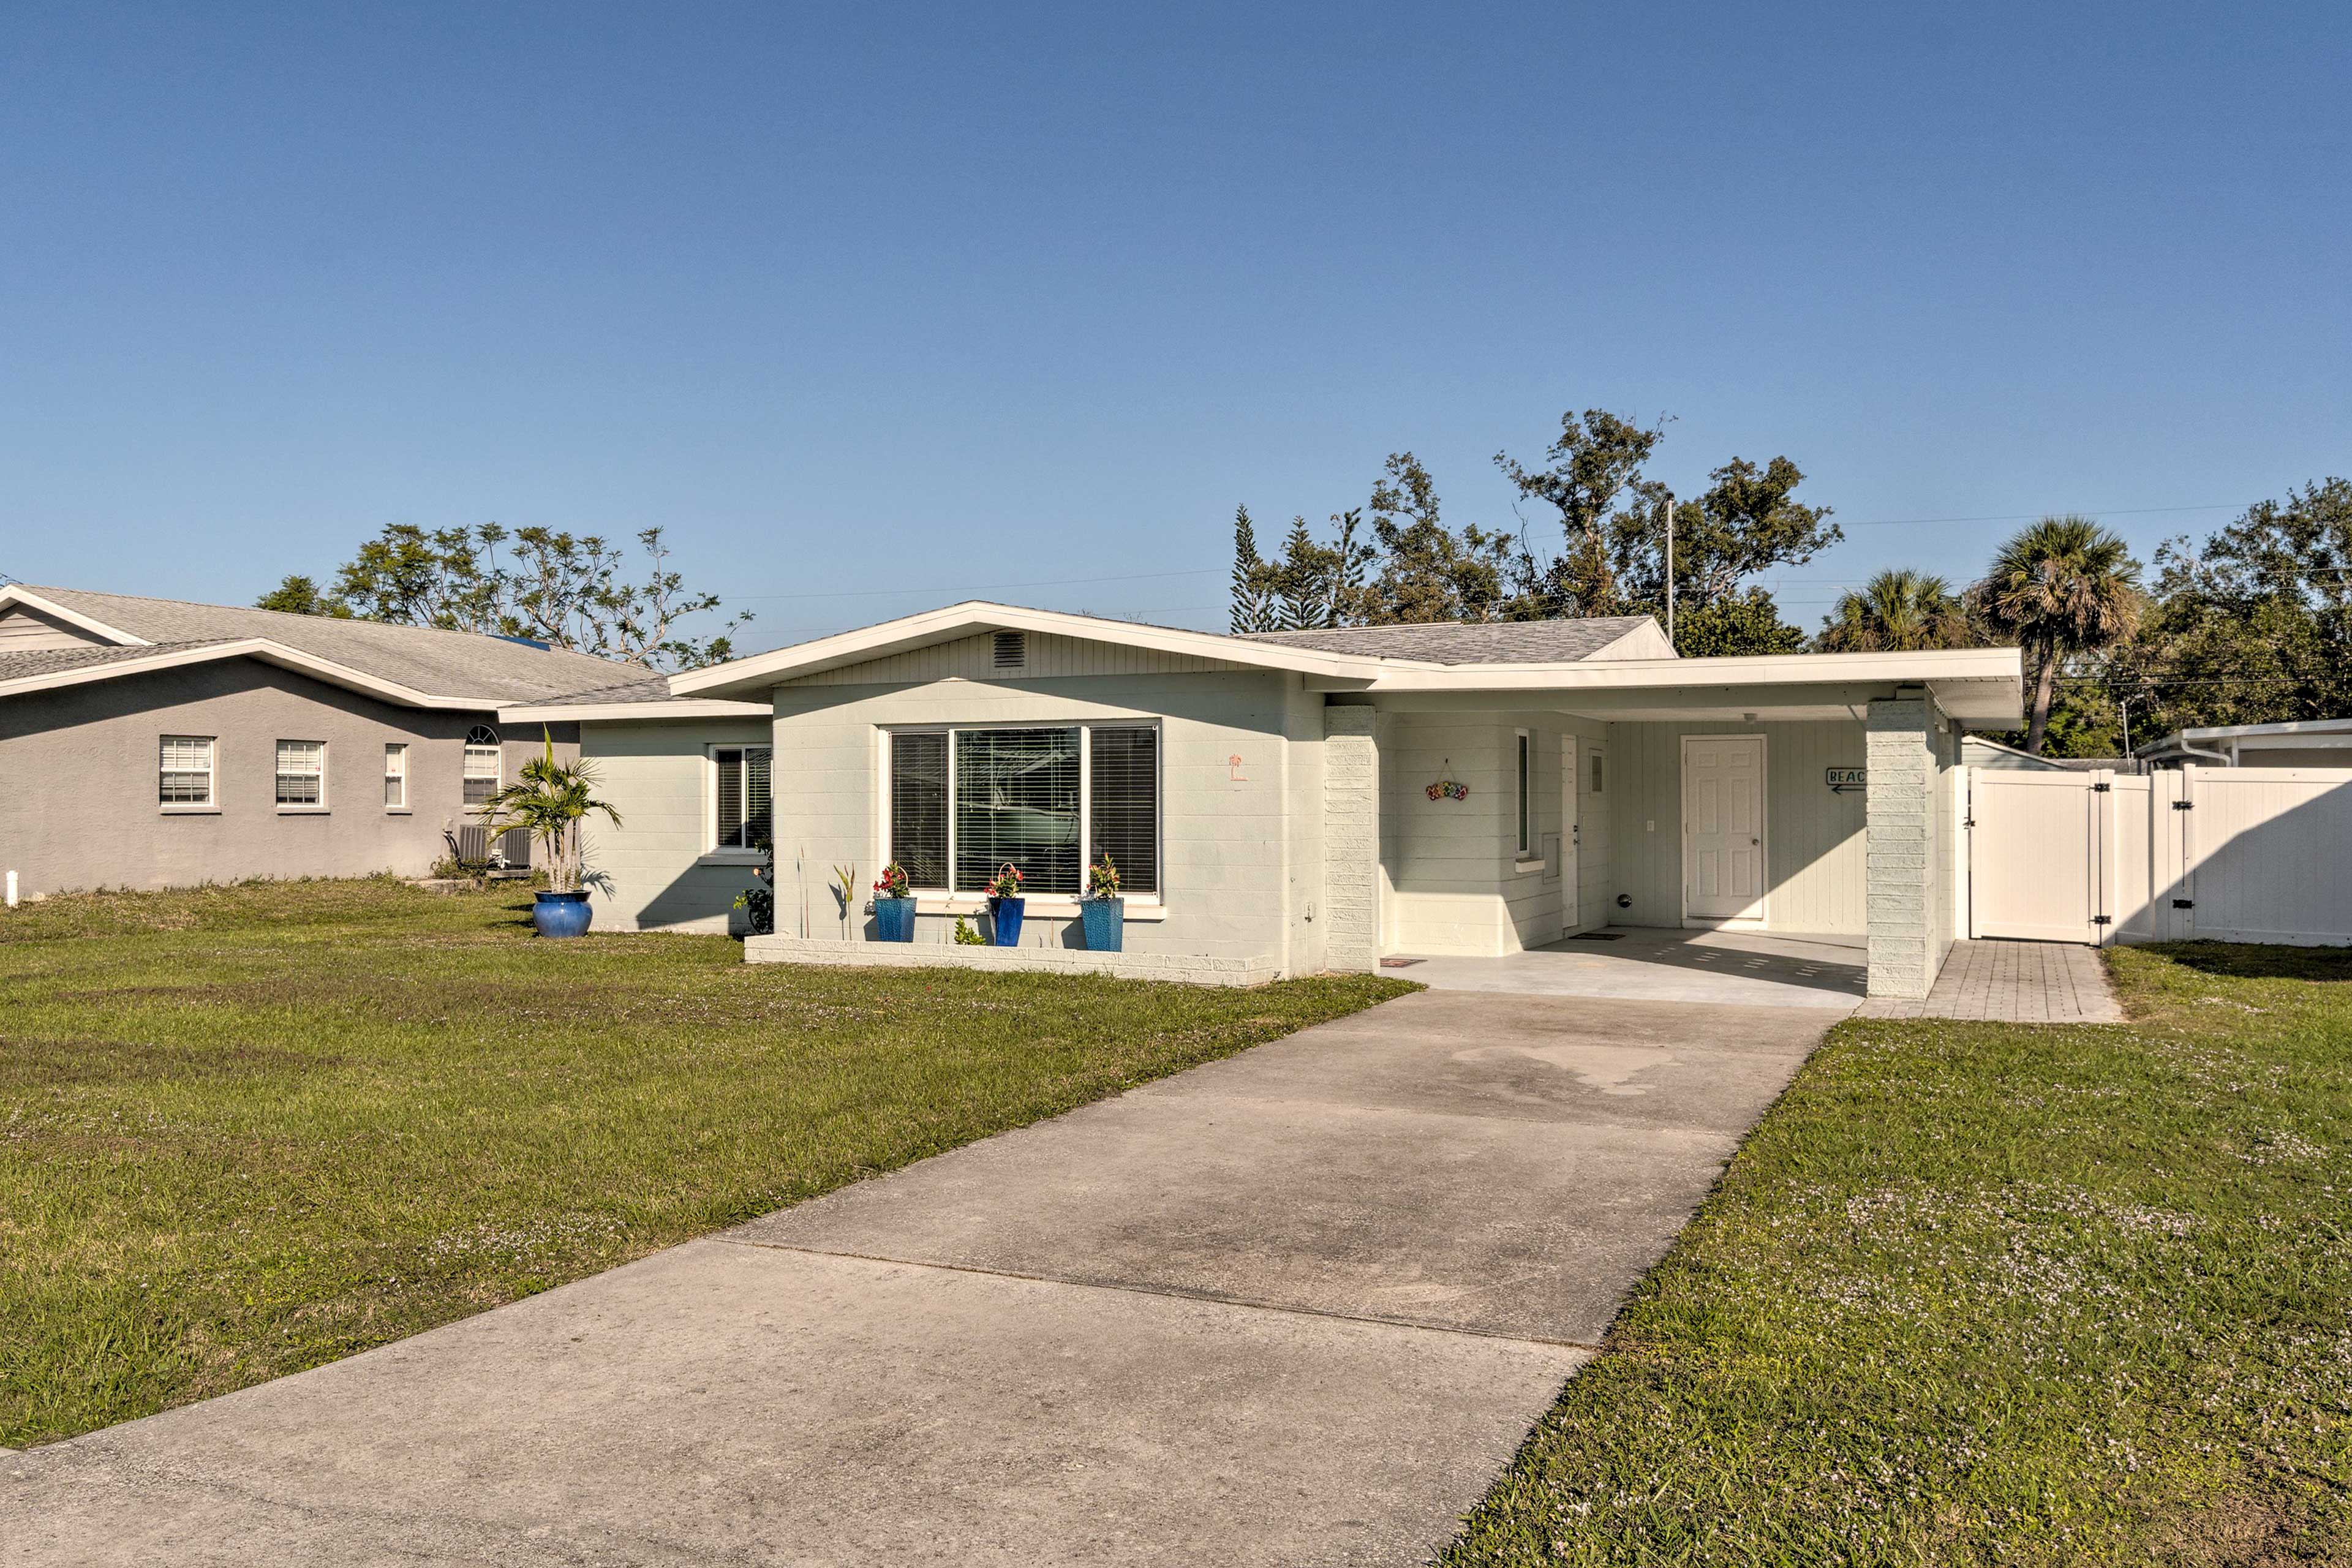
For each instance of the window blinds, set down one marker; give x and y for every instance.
(1123, 790)
(1016, 802)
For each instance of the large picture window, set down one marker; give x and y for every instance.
(964, 802)
(743, 802)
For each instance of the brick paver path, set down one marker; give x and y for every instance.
(2014, 982)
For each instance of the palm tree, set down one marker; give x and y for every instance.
(1898, 611)
(550, 800)
(2061, 586)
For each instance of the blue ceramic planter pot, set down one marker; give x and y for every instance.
(894, 920)
(1004, 915)
(562, 914)
(1105, 921)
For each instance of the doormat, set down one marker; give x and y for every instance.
(1399, 962)
(1598, 936)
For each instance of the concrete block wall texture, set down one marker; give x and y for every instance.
(1351, 839)
(664, 873)
(1902, 852)
(78, 805)
(1224, 788)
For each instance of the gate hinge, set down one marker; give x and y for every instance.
(2103, 919)
(2184, 805)
(2101, 789)
(2184, 903)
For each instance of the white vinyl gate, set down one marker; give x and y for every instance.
(2225, 854)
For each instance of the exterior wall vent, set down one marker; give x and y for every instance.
(1012, 651)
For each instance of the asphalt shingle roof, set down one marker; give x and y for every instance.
(1461, 642)
(52, 660)
(436, 663)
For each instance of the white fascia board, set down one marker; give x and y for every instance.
(261, 648)
(15, 594)
(765, 669)
(1989, 664)
(590, 712)
(2288, 727)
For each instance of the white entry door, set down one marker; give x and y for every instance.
(1722, 829)
(1571, 834)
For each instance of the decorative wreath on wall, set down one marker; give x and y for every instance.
(1449, 788)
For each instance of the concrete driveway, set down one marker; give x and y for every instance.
(1293, 1308)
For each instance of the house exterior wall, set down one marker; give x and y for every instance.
(78, 781)
(1225, 826)
(1456, 883)
(1910, 923)
(664, 873)
(1814, 850)
(1047, 657)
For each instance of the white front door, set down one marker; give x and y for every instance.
(1569, 833)
(1722, 829)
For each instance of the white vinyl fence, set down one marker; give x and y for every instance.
(2224, 854)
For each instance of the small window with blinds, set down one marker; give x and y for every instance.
(395, 776)
(918, 807)
(743, 809)
(301, 775)
(965, 802)
(1123, 800)
(185, 771)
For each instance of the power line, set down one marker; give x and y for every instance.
(2036, 516)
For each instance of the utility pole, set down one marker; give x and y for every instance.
(1670, 567)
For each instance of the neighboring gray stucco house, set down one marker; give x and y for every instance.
(1296, 801)
(151, 742)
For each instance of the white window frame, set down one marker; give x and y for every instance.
(1523, 808)
(277, 771)
(210, 804)
(1143, 906)
(496, 777)
(395, 766)
(713, 852)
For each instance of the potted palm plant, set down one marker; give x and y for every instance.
(1103, 912)
(894, 905)
(1005, 905)
(550, 800)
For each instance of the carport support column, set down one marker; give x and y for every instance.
(1351, 839)
(1899, 815)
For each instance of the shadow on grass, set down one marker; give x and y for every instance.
(2245, 960)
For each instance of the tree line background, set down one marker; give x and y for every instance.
(2252, 624)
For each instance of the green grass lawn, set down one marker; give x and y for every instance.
(1996, 1293)
(245, 1130)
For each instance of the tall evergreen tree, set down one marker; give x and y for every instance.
(1254, 607)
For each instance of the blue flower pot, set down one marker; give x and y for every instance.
(562, 914)
(1004, 915)
(894, 920)
(1105, 920)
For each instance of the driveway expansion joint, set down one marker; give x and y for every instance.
(1177, 1292)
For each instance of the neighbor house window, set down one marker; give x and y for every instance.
(395, 777)
(1527, 795)
(185, 775)
(964, 802)
(482, 772)
(301, 773)
(743, 809)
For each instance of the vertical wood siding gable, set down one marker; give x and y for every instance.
(974, 658)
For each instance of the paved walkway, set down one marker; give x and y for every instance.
(1293, 1308)
(2014, 982)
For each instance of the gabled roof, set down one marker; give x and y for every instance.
(461, 669)
(1490, 642)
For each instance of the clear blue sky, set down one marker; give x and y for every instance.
(879, 308)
